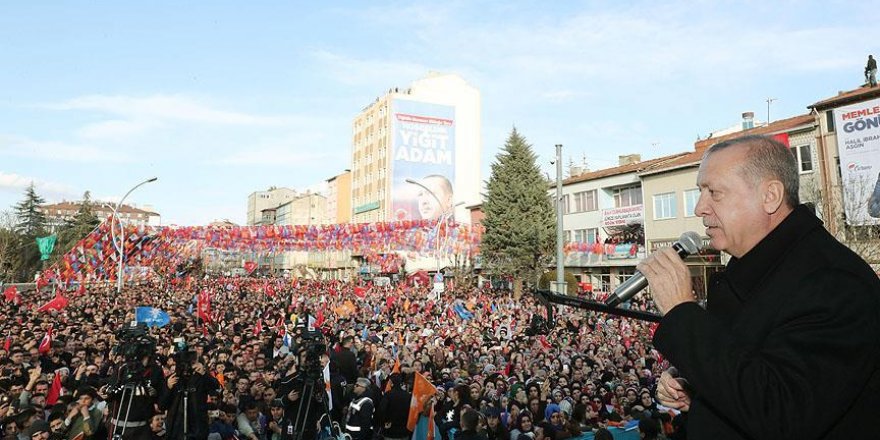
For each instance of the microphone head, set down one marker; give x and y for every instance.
(691, 242)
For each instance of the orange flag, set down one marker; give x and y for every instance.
(422, 392)
(394, 370)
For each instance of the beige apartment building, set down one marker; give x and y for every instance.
(339, 198)
(373, 140)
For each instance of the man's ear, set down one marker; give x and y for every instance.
(772, 196)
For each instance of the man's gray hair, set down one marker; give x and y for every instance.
(767, 158)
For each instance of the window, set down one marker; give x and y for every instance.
(586, 235)
(829, 120)
(691, 197)
(664, 206)
(585, 201)
(627, 196)
(804, 157)
(566, 204)
(567, 236)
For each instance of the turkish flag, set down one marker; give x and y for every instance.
(54, 390)
(360, 292)
(7, 344)
(203, 306)
(250, 267)
(259, 327)
(46, 343)
(58, 303)
(10, 293)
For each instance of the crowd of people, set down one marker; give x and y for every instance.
(239, 359)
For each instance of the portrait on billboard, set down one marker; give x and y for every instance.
(423, 160)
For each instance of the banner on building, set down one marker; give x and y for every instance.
(624, 216)
(858, 145)
(422, 160)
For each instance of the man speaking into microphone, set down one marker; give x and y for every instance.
(788, 346)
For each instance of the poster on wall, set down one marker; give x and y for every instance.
(422, 160)
(858, 145)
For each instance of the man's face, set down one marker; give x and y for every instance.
(242, 385)
(17, 358)
(41, 389)
(85, 400)
(251, 414)
(57, 426)
(731, 207)
(277, 413)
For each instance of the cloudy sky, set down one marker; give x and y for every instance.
(222, 98)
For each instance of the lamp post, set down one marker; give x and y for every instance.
(120, 247)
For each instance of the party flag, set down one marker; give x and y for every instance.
(422, 392)
(152, 316)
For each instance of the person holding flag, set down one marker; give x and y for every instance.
(394, 409)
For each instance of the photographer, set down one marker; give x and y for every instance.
(305, 411)
(186, 398)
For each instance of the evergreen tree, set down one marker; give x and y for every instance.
(76, 228)
(520, 221)
(31, 220)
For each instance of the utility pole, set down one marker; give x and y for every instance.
(560, 258)
(769, 101)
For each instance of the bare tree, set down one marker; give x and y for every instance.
(842, 202)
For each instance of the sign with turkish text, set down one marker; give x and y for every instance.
(858, 145)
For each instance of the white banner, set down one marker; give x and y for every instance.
(858, 144)
(622, 216)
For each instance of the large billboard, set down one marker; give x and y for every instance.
(858, 144)
(422, 160)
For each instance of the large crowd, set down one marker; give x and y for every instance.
(251, 344)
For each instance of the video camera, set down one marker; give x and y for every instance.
(183, 358)
(134, 343)
(314, 346)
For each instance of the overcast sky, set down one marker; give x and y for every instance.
(222, 98)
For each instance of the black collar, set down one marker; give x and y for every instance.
(745, 273)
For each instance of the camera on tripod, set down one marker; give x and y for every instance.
(184, 358)
(314, 347)
(134, 345)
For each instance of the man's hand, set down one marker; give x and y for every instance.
(669, 278)
(34, 376)
(671, 393)
(273, 425)
(172, 380)
(293, 395)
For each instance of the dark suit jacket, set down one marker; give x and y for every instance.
(788, 347)
(346, 361)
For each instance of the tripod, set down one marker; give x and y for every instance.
(305, 406)
(181, 408)
(132, 386)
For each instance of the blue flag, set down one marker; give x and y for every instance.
(153, 317)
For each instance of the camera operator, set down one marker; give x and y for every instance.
(135, 387)
(186, 398)
(306, 411)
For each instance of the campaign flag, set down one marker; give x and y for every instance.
(46, 343)
(57, 303)
(395, 370)
(279, 326)
(421, 393)
(54, 391)
(152, 316)
(7, 344)
(259, 327)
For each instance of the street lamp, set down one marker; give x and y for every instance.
(120, 247)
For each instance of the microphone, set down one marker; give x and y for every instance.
(689, 243)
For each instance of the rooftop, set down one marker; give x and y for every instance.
(848, 97)
(622, 169)
(96, 206)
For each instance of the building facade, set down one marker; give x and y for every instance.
(58, 214)
(602, 223)
(416, 147)
(339, 198)
(271, 198)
